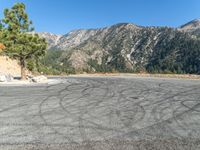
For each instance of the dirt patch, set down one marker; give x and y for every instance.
(9, 66)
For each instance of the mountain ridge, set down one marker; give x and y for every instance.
(55, 42)
(129, 47)
(51, 37)
(192, 27)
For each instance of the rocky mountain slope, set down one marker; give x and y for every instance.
(69, 40)
(52, 39)
(128, 47)
(192, 27)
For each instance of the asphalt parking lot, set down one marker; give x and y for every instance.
(102, 113)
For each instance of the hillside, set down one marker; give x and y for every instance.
(127, 47)
(9, 66)
(192, 27)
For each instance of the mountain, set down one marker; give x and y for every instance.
(192, 27)
(77, 37)
(67, 41)
(127, 47)
(52, 39)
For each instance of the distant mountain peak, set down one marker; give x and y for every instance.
(125, 25)
(191, 26)
(196, 19)
(51, 38)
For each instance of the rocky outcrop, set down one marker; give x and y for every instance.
(52, 39)
(67, 41)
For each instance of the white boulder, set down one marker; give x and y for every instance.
(39, 79)
(6, 78)
(3, 78)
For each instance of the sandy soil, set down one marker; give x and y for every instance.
(9, 66)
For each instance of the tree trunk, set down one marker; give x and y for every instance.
(23, 71)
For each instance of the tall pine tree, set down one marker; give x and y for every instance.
(1, 40)
(19, 42)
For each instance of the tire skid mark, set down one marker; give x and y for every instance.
(106, 108)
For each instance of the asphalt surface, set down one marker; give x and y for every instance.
(102, 113)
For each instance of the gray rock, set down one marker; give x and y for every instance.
(9, 78)
(39, 79)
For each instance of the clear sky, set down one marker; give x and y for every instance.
(61, 16)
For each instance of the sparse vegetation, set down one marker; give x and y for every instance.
(53, 64)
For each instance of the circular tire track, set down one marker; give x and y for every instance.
(85, 110)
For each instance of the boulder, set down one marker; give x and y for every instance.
(3, 78)
(39, 79)
(9, 78)
(29, 77)
(6, 78)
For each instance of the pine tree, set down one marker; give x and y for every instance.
(1, 40)
(18, 40)
(1, 26)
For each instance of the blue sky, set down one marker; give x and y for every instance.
(62, 16)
